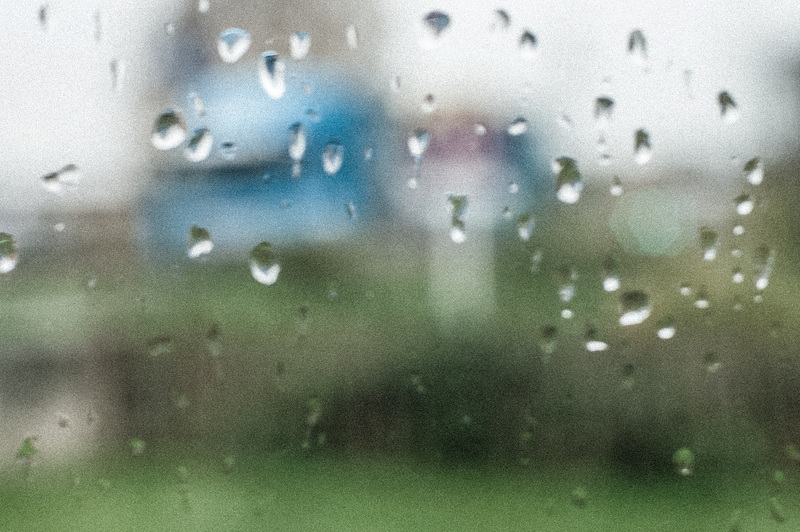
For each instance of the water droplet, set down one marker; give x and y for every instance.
(701, 301)
(200, 242)
(480, 130)
(634, 307)
(708, 243)
(418, 142)
(43, 15)
(628, 379)
(332, 157)
(351, 210)
(528, 45)
(711, 362)
(666, 328)
(744, 205)
(547, 340)
(611, 281)
(435, 23)
(272, 74)
(642, 150)
(738, 230)
(565, 121)
(517, 127)
(536, 260)
(228, 150)
(228, 462)
(728, 110)
(352, 37)
(738, 276)
(299, 45)
(297, 142)
(567, 314)
(525, 224)
(513, 187)
(776, 510)
(59, 227)
(501, 20)
(232, 44)
(736, 253)
(368, 154)
(116, 68)
(199, 146)
(159, 346)
(754, 171)
(637, 46)
(685, 290)
(568, 179)
(169, 130)
(593, 343)
(61, 180)
(762, 264)
(684, 461)
(136, 446)
(603, 109)
(63, 420)
(579, 496)
(169, 28)
(428, 104)
(395, 84)
(457, 205)
(566, 278)
(197, 104)
(616, 187)
(203, 5)
(263, 266)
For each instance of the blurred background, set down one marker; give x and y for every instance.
(462, 233)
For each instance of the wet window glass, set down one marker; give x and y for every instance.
(399, 265)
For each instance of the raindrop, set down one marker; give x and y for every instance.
(513, 187)
(547, 340)
(728, 110)
(634, 307)
(685, 290)
(517, 127)
(642, 151)
(480, 130)
(203, 5)
(352, 37)
(738, 230)
(351, 210)
(567, 314)
(199, 146)
(603, 108)
(43, 15)
(762, 263)
(711, 362)
(566, 278)
(117, 70)
(169, 28)
(738, 276)
(666, 328)
(228, 150)
(528, 45)
(579, 496)
(435, 23)
(684, 461)
(708, 243)
(457, 205)
(501, 20)
(299, 45)
(568, 179)
(628, 379)
(136, 446)
(536, 260)
(200, 242)
(66, 178)
(418, 142)
(332, 157)
(616, 186)
(428, 104)
(228, 462)
(263, 266)
(395, 84)
(701, 301)
(611, 282)
(368, 154)
(754, 171)
(744, 205)
(776, 510)
(169, 130)
(232, 44)
(525, 224)
(272, 74)
(159, 346)
(593, 344)
(297, 146)
(197, 104)
(63, 420)
(637, 46)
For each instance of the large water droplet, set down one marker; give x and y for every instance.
(528, 45)
(457, 205)
(200, 242)
(518, 126)
(568, 179)
(603, 109)
(637, 46)
(525, 224)
(263, 266)
(169, 130)
(199, 146)
(708, 243)
(435, 23)
(701, 300)
(593, 342)
(272, 74)
(501, 20)
(666, 328)
(8, 253)
(728, 109)
(634, 307)
(744, 205)
(232, 44)
(754, 171)
(642, 151)
(66, 178)
(762, 264)
(332, 157)
(299, 45)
